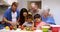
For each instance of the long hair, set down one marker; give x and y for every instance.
(22, 18)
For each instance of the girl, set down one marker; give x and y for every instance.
(38, 21)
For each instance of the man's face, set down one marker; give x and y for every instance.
(14, 8)
(34, 8)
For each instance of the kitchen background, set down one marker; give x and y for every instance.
(54, 6)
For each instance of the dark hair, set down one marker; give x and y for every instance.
(37, 16)
(22, 18)
(29, 16)
(15, 4)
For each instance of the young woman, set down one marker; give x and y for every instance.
(23, 15)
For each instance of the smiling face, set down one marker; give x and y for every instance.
(24, 14)
(45, 13)
(34, 8)
(29, 20)
(38, 19)
(14, 8)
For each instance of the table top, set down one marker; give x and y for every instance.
(19, 30)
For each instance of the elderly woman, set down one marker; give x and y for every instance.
(47, 18)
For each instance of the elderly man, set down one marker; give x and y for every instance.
(35, 10)
(47, 18)
(11, 15)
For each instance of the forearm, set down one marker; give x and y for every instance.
(18, 21)
(5, 20)
(33, 25)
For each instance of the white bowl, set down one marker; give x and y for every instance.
(38, 31)
(55, 25)
(45, 26)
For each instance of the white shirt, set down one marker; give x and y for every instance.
(14, 15)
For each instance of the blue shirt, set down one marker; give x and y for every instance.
(8, 15)
(49, 20)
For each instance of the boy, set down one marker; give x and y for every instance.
(29, 22)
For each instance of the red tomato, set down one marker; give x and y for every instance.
(11, 27)
(22, 27)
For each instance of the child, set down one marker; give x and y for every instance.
(38, 21)
(29, 22)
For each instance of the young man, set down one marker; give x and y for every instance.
(11, 15)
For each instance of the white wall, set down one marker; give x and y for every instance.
(54, 5)
(10, 1)
(23, 3)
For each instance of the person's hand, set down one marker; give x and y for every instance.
(33, 28)
(13, 23)
(17, 23)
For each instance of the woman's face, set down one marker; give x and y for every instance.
(45, 14)
(25, 14)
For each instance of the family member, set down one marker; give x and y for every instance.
(11, 15)
(46, 18)
(38, 21)
(35, 10)
(23, 15)
(29, 22)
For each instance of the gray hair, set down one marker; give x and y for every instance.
(46, 10)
